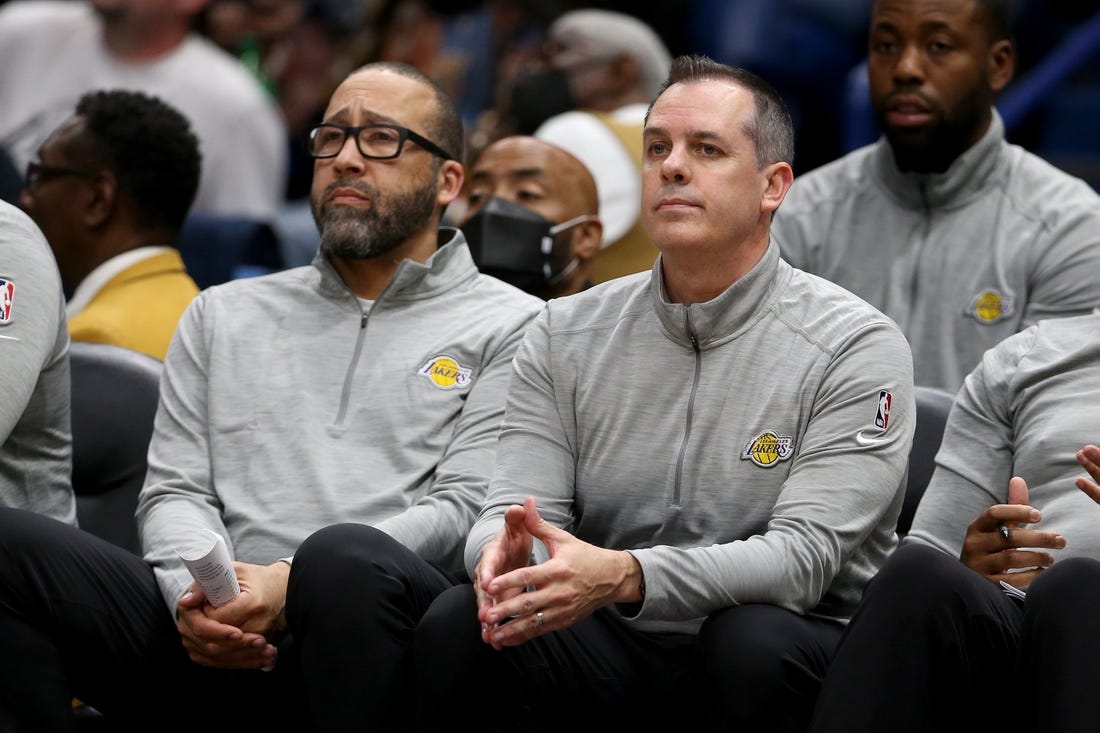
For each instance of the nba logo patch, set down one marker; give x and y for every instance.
(882, 416)
(7, 296)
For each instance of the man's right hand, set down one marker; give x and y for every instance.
(223, 643)
(988, 552)
(508, 550)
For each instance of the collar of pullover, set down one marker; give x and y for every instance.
(448, 267)
(963, 180)
(725, 316)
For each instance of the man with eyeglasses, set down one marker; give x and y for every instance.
(335, 424)
(111, 190)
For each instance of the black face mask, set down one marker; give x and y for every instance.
(538, 96)
(516, 245)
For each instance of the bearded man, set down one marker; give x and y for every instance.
(363, 391)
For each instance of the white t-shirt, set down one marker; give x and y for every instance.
(51, 52)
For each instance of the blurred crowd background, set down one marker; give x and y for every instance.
(488, 54)
(477, 50)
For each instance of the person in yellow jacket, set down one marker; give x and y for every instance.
(110, 189)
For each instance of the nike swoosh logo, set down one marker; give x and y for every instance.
(862, 439)
(10, 338)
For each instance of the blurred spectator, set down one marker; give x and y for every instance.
(487, 43)
(473, 49)
(110, 190)
(805, 48)
(533, 216)
(299, 50)
(53, 51)
(600, 70)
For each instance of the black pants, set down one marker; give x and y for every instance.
(936, 647)
(81, 617)
(751, 668)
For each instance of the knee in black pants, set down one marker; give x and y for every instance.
(452, 661)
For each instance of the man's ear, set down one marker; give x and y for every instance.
(779, 177)
(1002, 65)
(103, 190)
(451, 175)
(586, 239)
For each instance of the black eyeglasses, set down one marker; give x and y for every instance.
(378, 142)
(38, 172)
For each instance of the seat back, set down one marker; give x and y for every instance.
(114, 399)
(216, 249)
(933, 406)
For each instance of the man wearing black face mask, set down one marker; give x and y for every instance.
(602, 69)
(533, 216)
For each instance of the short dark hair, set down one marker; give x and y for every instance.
(445, 127)
(999, 15)
(150, 148)
(770, 128)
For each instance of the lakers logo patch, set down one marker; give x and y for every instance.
(445, 372)
(768, 449)
(991, 306)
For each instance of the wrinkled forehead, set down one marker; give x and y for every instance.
(508, 157)
(379, 95)
(706, 104)
(946, 13)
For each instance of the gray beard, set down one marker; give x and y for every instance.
(358, 234)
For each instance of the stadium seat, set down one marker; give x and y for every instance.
(114, 399)
(933, 406)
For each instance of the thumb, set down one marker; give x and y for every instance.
(539, 527)
(192, 598)
(1017, 491)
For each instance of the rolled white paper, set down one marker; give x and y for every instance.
(212, 569)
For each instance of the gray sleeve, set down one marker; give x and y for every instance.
(436, 526)
(179, 499)
(975, 460)
(32, 323)
(533, 444)
(1064, 282)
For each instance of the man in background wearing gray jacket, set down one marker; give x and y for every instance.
(958, 236)
(362, 393)
(699, 466)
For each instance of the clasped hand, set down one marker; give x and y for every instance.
(1020, 556)
(517, 601)
(238, 634)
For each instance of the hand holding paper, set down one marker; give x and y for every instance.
(212, 569)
